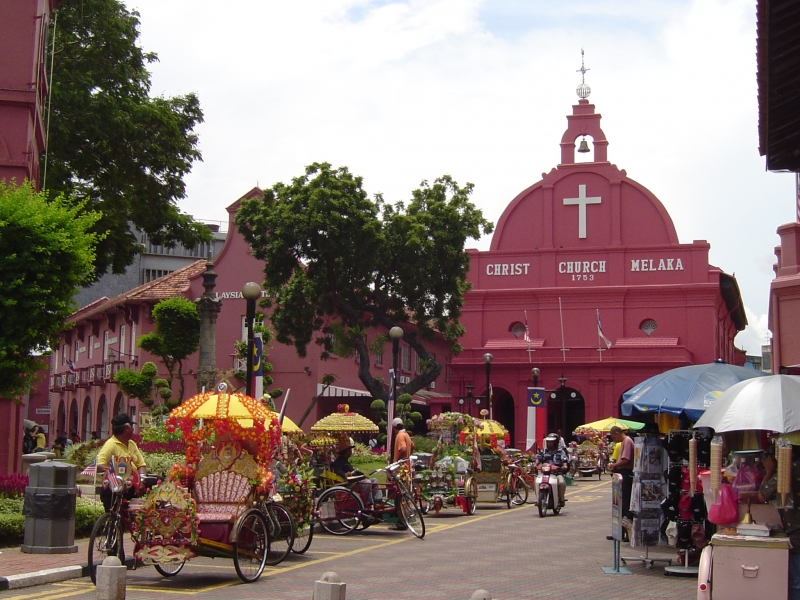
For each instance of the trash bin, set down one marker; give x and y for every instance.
(49, 509)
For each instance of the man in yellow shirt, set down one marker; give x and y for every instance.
(119, 445)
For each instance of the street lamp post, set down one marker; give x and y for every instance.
(251, 292)
(395, 334)
(466, 401)
(487, 361)
(535, 372)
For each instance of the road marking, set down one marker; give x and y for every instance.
(48, 596)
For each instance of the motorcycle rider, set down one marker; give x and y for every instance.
(558, 458)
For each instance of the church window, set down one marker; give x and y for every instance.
(517, 329)
(648, 326)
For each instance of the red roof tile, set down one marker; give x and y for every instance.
(168, 286)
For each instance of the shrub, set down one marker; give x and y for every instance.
(13, 486)
(81, 455)
(158, 433)
(12, 521)
(160, 463)
(173, 447)
(424, 444)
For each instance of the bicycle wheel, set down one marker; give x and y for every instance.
(251, 546)
(105, 540)
(170, 569)
(507, 489)
(281, 533)
(302, 538)
(423, 504)
(339, 510)
(412, 515)
(519, 491)
(471, 494)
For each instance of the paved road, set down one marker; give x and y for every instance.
(512, 553)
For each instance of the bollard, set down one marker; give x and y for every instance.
(480, 595)
(329, 587)
(111, 578)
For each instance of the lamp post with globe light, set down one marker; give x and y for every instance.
(395, 334)
(487, 361)
(251, 292)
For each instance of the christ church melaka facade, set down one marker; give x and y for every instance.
(583, 251)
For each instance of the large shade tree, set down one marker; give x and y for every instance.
(340, 265)
(110, 145)
(46, 255)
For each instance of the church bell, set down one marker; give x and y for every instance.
(584, 147)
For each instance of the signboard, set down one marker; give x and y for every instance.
(43, 411)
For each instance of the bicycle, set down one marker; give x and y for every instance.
(107, 537)
(514, 487)
(340, 510)
(281, 529)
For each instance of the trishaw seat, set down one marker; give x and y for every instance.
(223, 483)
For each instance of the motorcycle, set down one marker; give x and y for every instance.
(547, 486)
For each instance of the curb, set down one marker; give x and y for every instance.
(15, 582)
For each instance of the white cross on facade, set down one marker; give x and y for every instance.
(581, 201)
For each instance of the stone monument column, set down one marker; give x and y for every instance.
(208, 305)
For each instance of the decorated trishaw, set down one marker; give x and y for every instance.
(343, 505)
(477, 464)
(219, 503)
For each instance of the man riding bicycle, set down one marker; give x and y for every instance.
(120, 445)
(558, 458)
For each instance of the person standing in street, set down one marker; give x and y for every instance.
(403, 446)
(624, 466)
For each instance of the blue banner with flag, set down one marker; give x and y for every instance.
(258, 350)
(536, 397)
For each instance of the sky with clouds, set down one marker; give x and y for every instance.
(406, 90)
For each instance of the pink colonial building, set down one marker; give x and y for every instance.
(585, 245)
(84, 396)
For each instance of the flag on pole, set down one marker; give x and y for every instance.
(113, 481)
(600, 333)
(527, 331)
(71, 366)
(258, 366)
(90, 470)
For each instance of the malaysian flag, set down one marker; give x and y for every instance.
(600, 333)
(71, 366)
(90, 470)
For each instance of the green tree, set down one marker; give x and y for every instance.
(339, 264)
(111, 146)
(46, 255)
(177, 336)
(144, 384)
(402, 409)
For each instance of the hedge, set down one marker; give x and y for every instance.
(12, 521)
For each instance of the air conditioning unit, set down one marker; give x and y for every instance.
(404, 379)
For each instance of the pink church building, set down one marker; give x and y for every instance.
(584, 246)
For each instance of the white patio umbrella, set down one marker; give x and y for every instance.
(771, 403)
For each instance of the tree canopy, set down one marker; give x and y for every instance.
(112, 146)
(339, 264)
(46, 255)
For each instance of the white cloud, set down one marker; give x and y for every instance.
(405, 91)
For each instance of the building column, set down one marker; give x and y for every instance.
(208, 306)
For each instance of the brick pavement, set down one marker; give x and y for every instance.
(512, 553)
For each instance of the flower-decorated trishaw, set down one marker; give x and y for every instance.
(590, 456)
(218, 504)
(347, 504)
(477, 468)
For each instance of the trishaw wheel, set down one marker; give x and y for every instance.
(507, 489)
(251, 547)
(543, 499)
(519, 493)
(339, 510)
(423, 504)
(302, 538)
(170, 569)
(281, 533)
(412, 516)
(471, 494)
(105, 540)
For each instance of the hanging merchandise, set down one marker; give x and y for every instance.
(726, 509)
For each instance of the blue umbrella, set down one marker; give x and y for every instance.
(685, 390)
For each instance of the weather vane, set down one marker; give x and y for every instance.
(583, 90)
